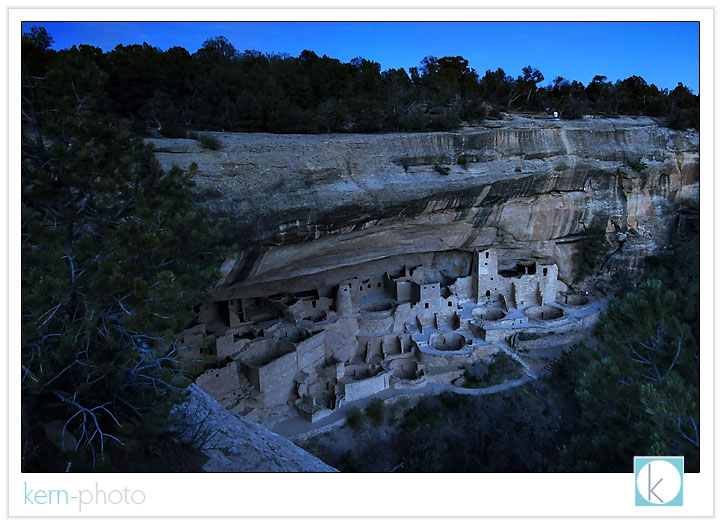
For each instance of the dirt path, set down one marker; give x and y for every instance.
(298, 426)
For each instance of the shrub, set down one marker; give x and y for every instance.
(347, 463)
(426, 415)
(209, 142)
(529, 336)
(495, 114)
(574, 109)
(475, 373)
(463, 160)
(450, 401)
(405, 162)
(591, 251)
(354, 418)
(414, 121)
(683, 119)
(443, 123)
(637, 164)
(376, 410)
(502, 369)
(173, 131)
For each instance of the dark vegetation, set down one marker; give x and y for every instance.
(115, 255)
(516, 431)
(638, 384)
(501, 369)
(590, 253)
(631, 389)
(108, 278)
(209, 142)
(219, 88)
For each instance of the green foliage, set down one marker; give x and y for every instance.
(529, 336)
(682, 119)
(347, 462)
(574, 109)
(376, 410)
(108, 278)
(590, 252)
(683, 277)
(219, 88)
(475, 374)
(463, 159)
(495, 114)
(173, 131)
(209, 142)
(639, 389)
(501, 369)
(355, 418)
(518, 431)
(684, 112)
(637, 164)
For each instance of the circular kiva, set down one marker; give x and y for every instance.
(447, 341)
(377, 306)
(488, 314)
(544, 313)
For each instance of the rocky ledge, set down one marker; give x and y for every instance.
(235, 444)
(309, 210)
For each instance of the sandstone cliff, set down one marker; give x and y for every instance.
(308, 211)
(235, 444)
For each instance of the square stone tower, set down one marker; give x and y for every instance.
(487, 284)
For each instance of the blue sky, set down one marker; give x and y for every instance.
(664, 53)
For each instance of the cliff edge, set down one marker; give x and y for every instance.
(235, 444)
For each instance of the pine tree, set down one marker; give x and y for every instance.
(115, 255)
(639, 388)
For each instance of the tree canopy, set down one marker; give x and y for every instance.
(637, 381)
(221, 88)
(115, 255)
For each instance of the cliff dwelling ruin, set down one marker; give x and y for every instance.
(370, 274)
(313, 352)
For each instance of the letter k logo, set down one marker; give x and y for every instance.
(649, 484)
(658, 480)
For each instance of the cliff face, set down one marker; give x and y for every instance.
(308, 211)
(235, 444)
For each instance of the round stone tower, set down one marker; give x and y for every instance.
(344, 305)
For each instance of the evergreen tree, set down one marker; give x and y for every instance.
(115, 255)
(639, 387)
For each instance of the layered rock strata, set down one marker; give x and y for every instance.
(310, 211)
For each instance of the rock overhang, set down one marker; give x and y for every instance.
(304, 207)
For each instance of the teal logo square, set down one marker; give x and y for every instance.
(658, 481)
